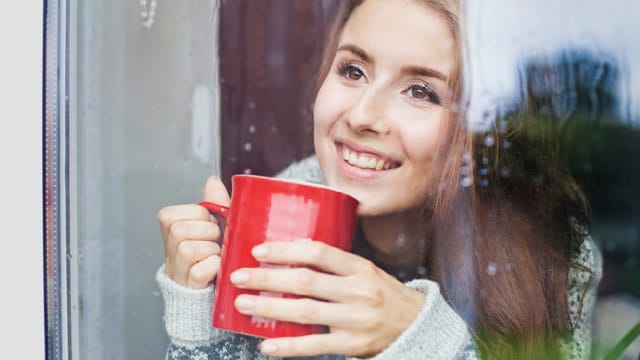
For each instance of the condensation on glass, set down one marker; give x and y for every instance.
(142, 105)
(132, 106)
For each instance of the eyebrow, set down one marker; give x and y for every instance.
(411, 69)
(424, 71)
(356, 51)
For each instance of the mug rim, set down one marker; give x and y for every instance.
(295, 182)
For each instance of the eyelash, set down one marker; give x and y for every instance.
(429, 93)
(344, 68)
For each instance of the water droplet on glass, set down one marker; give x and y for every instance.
(508, 266)
(483, 171)
(252, 129)
(485, 161)
(484, 182)
(422, 271)
(489, 141)
(610, 245)
(466, 181)
(465, 171)
(247, 147)
(505, 172)
(247, 171)
(401, 240)
(156, 293)
(506, 144)
(251, 105)
(492, 269)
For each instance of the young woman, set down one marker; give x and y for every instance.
(493, 240)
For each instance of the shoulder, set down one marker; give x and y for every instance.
(307, 170)
(587, 263)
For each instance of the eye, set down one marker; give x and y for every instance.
(423, 91)
(351, 71)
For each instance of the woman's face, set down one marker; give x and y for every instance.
(381, 113)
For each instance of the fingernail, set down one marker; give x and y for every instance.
(243, 302)
(268, 348)
(259, 251)
(239, 277)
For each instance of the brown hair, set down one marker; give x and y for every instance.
(500, 248)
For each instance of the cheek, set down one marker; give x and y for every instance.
(325, 107)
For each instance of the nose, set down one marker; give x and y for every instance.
(370, 112)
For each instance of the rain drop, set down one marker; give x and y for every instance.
(422, 271)
(247, 147)
(489, 141)
(466, 181)
(401, 240)
(252, 129)
(247, 171)
(251, 105)
(492, 269)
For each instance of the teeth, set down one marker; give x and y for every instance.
(364, 161)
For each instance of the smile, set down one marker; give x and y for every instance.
(367, 161)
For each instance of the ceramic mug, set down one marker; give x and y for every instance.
(266, 209)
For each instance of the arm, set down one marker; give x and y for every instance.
(187, 320)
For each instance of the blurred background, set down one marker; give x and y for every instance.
(162, 94)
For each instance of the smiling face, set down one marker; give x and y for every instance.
(382, 112)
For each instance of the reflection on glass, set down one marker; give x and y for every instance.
(544, 85)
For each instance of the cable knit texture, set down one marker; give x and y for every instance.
(437, 332)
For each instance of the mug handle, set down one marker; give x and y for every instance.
(215, 208)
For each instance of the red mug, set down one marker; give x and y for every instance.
(266, 209)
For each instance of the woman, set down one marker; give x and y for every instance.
(500, 265)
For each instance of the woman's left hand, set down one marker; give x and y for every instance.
(365, 308)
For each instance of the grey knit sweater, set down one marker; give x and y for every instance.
(437, 333)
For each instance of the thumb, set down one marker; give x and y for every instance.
(215, 192)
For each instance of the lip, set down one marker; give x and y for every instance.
(355, 172)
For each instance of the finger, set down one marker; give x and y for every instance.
(169, 215)
(309, 345)
(299, 310)
(314, 253)
(299, 281)
(186, 230)
(202, 273)
(188, 254)
(216, 192)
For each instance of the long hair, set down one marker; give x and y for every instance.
(502, 235)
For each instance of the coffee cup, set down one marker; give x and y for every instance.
(266, 209)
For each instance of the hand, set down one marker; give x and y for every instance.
(190, 236)
(365, 308)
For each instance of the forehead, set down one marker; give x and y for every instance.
(408, 31)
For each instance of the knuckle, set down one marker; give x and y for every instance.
(178, 230)
(307, 311)
(163, 215)
(186, 250)
(303, 279)
(369, 294)
(317, 250)
(199, 277)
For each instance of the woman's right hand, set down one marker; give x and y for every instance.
(190, 235)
